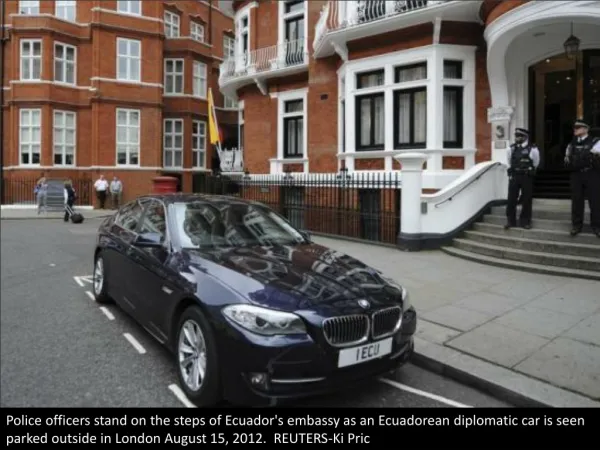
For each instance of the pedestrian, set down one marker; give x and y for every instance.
(582, 157)
(70, 196)
(41, 193)
(116, 189)
(523, 161)
(101, 186)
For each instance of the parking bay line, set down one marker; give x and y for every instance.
(78, 281)
(133, 341)
(429, 395)
(181, 396)
(90, 295)
(107, 313)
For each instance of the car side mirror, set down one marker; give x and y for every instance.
(148, 240)
(306, 235)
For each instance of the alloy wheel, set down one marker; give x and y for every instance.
(98, 276)
(192, 355)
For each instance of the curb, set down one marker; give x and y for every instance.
(91, 217)
(500, 382)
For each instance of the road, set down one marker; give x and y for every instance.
(60, 349)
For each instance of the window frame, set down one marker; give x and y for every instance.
(173, 24)
(65, 5)
(65, 62)
(198, 37)
(412, 144)
(30, 143)
(293, 116)
(31, 4)
(460, 90)
(30, 59)
(127, 144)
(174, 74)
(129, 60)
(174, 150)
(230, 47)
(64, 144)
(357, 121)
(200, 78)
(129, 9)
(199, 137)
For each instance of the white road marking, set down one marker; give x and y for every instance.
(52, 265)
(90, 295)
(412, 390)
(78, 281)
(86, 278)
(133, 341)
(107, 313)
(181, 396)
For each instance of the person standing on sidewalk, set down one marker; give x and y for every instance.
(101, 186)
(583, 158)
(116, 189)
(69, 194)
(41, 193)
(523, 161)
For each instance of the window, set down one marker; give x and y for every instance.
(130, 7)
(129, 216)
(241, 126)
(64, 63)
(154, 220)
(129, 57)
(65, 126)
(197, 31)
(171, 25)
(228, 47)
(174, 76)
(453, 116)
(293, 129)
(412, 72)
(243, 30)
(128, 137)
(31, 60)
(293, 23)
(370, 122)
(66, 9)
(173, 143)
(199, 79)
(410, 118)
(199, 143)
(453, 70)
(30, 136)
(370, 79)
(29, 7)
(229, 103)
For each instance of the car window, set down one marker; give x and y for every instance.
(154, 220)
(129, 216)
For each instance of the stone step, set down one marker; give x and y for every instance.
(566, 261)
(536, 245)
(542, 224)
(544, 213)
(551, 203)
(541, 235)
(522, 266)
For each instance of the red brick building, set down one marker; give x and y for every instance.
(329, 84)
(113, 87)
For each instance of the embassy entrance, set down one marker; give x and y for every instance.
(561, 89)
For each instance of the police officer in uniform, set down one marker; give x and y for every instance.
(523, 160)
(583, 159)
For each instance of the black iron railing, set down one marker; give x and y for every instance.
(21, 191)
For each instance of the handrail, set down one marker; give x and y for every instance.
(487, 169)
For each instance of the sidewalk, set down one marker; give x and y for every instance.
(535, 338)
(31, 213)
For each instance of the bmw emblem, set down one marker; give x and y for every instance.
(364, 304)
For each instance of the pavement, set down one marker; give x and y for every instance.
(531, 339)
(58, 348)
(31, 213)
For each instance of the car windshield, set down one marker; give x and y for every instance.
(203, 224)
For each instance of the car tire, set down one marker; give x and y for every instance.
(100, 280)
(205, 359)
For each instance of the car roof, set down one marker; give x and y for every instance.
(190, 198)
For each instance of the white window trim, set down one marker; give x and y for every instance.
(64, 63)
(41, 57)
(435, 56)
(138, 58)
(238, 50)
(199, 26)
(229, 108)
(194, 150)
(139, 147)
(281, 22)
(282, 97)
(31, 143)
(128, 12)
(175, 20)
(173, 149)
(231, 46)
(33, 14)
(241, 122)
(65, 113)
(72, 3)
(194, 94)
(175, 60)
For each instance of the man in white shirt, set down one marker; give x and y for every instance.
(101, 186)
(116, 189)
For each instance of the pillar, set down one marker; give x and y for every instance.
(500, 118)
(412, 188)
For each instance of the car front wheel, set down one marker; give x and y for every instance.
(196, 358)
(100, 281)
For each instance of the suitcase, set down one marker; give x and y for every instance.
(75, 217)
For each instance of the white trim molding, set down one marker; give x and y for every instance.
(139, 83)
(277, 164)
(118, 13)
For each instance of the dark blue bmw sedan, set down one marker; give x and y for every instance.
(252, 309)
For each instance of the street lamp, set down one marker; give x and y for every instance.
(571, 45)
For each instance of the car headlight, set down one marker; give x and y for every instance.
(405, 299)
(267, 322)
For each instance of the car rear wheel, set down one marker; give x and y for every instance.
(100, 281)
(196, 358)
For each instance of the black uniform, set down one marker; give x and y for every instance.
(70, 201)
(585, 179)
(521, 174)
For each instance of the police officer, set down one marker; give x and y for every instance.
(583, 158)
(523, 160)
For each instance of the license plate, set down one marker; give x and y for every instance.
(362, 353)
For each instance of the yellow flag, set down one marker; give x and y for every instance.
(213, 129)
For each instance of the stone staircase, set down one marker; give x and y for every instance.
(546, 248)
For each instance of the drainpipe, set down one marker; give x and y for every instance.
(2, 21)
(210, 24)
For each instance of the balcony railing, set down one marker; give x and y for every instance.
(337, 15)
(232, 160)
(281, 56)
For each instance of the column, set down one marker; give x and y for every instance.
(412, 187)
(500, 118)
